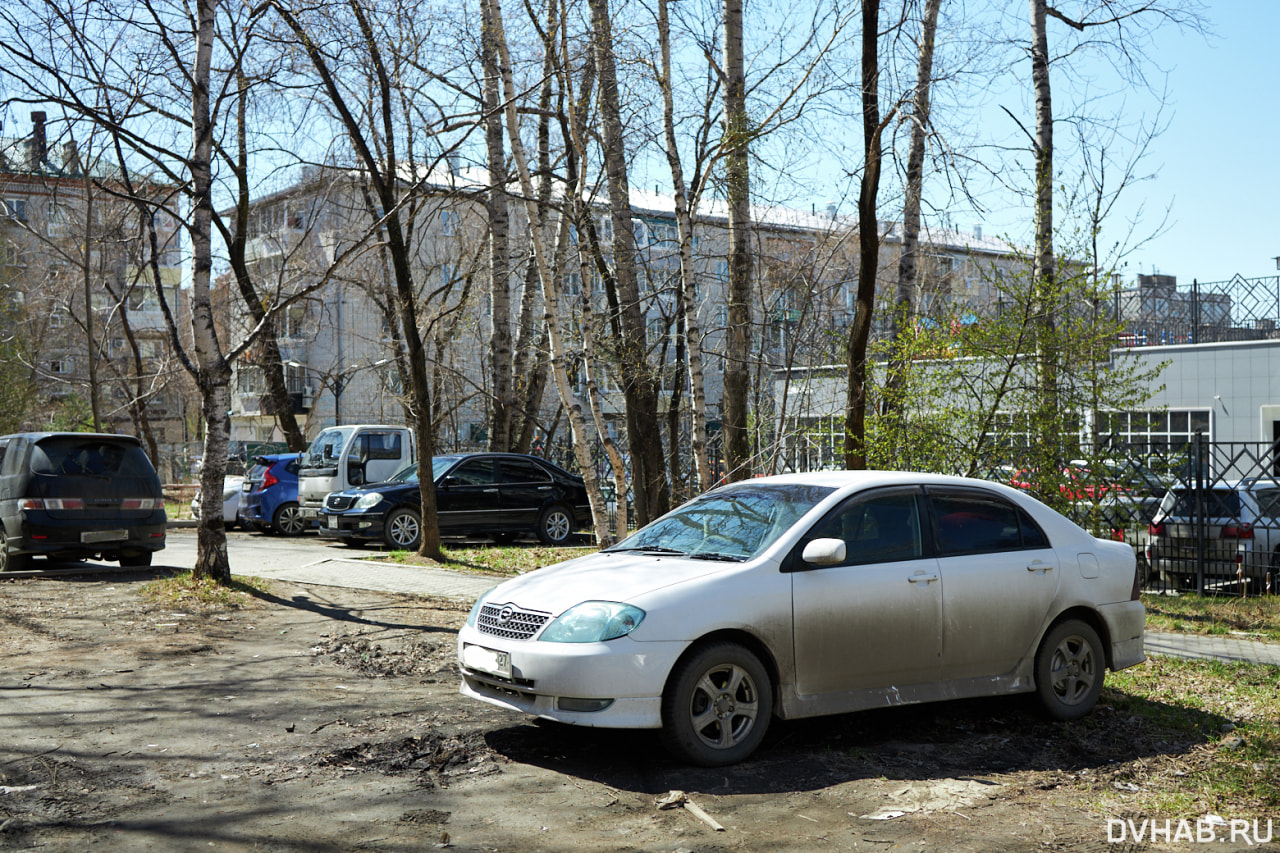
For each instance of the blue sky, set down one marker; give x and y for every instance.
(1215, 164)
(1219, 155)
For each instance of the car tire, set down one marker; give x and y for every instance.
(135, 561)
(1070, 669)
(555, 525)
(403, 530)
(288, 520)
(717, 706)
(10, 562)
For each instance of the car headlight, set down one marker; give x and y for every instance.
(593, 622)
(475, 608)
(369, 501)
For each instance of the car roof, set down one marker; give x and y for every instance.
(93, 436)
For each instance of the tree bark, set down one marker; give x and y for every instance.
(214, 374)
(737, 130)
(640, 381)
(684, 231)
(908, 263)
(855, 449)
(500, 355)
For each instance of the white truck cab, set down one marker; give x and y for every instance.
(341, 457)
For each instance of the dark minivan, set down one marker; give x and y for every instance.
(78, 495)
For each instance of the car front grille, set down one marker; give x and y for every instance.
(509, 622)
(339, 502)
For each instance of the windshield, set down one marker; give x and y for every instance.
(440, 464)
(405, 475)
(1218, 503)
(735, 522)
(325, 450)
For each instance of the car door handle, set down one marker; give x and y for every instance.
(923, 578)
(490, 491)
(544, 488)
(1040, 566)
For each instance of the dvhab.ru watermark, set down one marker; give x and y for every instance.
(1204, 830)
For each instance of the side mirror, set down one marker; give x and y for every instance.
(450, 481)
(824, 552)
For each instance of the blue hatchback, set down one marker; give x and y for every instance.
(269, 500)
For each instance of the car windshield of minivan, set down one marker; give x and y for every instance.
(91, 458)
(734, 523)
(325, 450)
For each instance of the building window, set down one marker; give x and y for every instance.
(449, 220)
(60, 366)
(15, 208)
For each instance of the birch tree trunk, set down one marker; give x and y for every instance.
(550, 288)
(640, 381)
(684, 226)
(214, 373)
(1044, 274)
(737, 378)
(908, 263)
(500, 355)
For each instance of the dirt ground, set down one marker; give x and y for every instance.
(321, 719)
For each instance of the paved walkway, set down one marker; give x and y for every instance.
(1216, 647)
(462, 586)
(384, 577)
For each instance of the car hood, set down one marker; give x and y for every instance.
(601, 577)
(381, 488)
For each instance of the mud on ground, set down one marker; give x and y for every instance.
(321, 719)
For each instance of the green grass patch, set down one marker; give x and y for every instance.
(511, 559)
(186, 590)
(499, 559)
(1227, 714)
(1210, 614)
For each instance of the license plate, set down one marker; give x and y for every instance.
(491, 661)
(333, 522)
(309, 513)
(90, 536)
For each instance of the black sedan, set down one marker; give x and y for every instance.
(500, 495)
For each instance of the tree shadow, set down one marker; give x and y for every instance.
(958, 739)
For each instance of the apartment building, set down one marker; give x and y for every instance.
(87, 328)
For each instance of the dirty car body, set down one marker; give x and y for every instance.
(810, 594)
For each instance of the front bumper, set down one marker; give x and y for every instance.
(354, 525)
(631, 675)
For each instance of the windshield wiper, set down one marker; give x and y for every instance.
(651, 549)
(721, 558)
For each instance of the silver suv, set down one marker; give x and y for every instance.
(1237, 522)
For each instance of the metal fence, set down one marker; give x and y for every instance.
(1202, 516)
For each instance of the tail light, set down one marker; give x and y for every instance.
(1237, 531)
(1156, 529)
(142, 503)
(269, 479)
(51, 503)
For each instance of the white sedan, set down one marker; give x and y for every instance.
(809, 594)
(232, 485)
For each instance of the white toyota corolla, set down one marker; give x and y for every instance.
(809, 594)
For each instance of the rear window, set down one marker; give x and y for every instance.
(91, 457)
(1218, 503)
